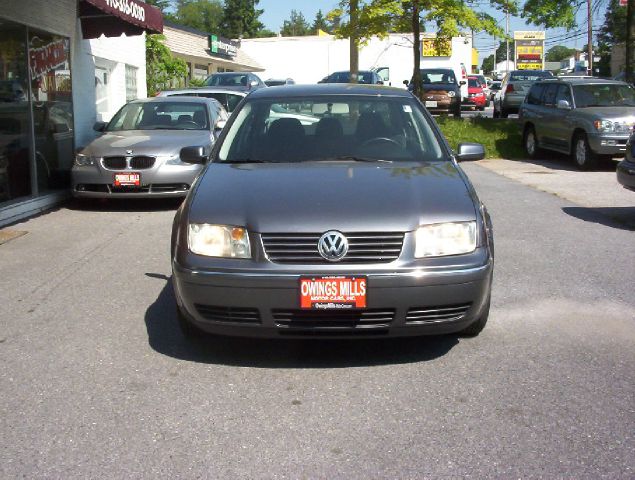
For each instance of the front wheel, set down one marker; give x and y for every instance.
(584, 157)
(530, 142)
(478, 325)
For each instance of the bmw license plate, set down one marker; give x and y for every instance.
(431, 103)
(127, 179)
(333, 293)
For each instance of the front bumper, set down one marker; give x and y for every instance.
(626, 174)
(607, 144)
(273, 299)
(162, 180)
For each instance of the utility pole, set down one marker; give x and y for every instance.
(630, 41)
(507, 34)
(354, 41)
(590, 39)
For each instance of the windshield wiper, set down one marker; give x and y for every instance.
(359, 159)
(245, 160)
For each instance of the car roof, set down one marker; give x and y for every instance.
(583, 81)
(180, 100)
(205, 90)
(225, 74)
(329, 89)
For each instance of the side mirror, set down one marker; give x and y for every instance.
(406, 82)
(470, 151)
(99, 126)
(194, 155)
(564, 105)
(462, 82)
(220, 124)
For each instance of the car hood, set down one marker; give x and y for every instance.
(147, 142)
(623, 113)
(316, 197)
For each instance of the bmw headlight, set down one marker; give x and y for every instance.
(218, 241)
(443, 239)
(82, 160)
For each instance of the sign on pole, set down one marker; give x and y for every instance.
(530, 50)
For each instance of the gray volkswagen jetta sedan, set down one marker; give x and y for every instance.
(138, 153)
(361, 223)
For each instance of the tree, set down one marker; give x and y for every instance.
(488, 64)
(162, 5)
(558, 53)
(203, 15)
(320, 23)
(296, 26)
(240, 19)
(162, 69)
(612, 32)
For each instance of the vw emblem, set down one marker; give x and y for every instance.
(333, 246)
(128, 152)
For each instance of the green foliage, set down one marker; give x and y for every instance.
(320, 23)
(162, 5)
(162, 69)
(240, 19)
(552, 13)
(203, 15)
(559, 52)
(196, 82)
(614, 28)
(296, 26)
(488, 64)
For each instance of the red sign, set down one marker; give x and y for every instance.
(48, 57)
(333, 292)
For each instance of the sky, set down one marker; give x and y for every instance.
(277, 11)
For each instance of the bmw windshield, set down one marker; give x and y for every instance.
(331, 128)
(160, 116)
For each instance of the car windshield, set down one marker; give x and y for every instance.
(160, 116)
(224, 80)
(431, 77)
(603, 95)
(330, 128)
(473, 82)
(529, 76)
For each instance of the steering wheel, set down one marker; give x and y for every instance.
(372, 141)
(190, 123)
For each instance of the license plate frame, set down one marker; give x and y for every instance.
(127, 179)
(335, 293)
(432, 104)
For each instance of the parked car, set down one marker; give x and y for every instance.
(626, 168)
(243, 81)
(586, 118)
(440, 91)
(280, 236)
(228, 98)
(514, 87)
(482, 80)
(138, 153)
(274, 82)
(367, 77)
(476, 98)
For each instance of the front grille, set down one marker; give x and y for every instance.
(333, 320)
(115, 163)
(141, 163)
(301, 248)
(438, 314)
(229, 314)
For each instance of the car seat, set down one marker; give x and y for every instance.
(285, 141)
(328, 137)
(199, 117)
(370, 125)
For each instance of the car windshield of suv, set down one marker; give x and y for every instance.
(529, 76)
(603, 95)
(224, 80)
(331, 128)
(431, 77)
(160, 116)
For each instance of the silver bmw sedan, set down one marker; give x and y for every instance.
(137, 154)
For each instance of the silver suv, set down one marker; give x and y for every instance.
(586, 118)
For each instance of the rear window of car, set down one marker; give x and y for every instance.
(331, 127)
(529, 76)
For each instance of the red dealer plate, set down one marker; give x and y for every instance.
(322, 293)
(127, 179)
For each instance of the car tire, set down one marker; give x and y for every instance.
(530, 142)
(503, 113)
(481, 109)
(188, 329)
(478, 325)
(584, 158)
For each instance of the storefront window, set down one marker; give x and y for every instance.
(50, 75)
(131, 83)
(15, 126)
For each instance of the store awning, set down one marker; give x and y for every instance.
(114, 17)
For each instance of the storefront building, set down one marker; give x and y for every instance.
(58, 75)
(207, 53)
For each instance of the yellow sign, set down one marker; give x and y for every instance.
(529, 66)
(436, 47)
(529, 35)
(529, 50)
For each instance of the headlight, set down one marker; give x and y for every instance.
(604, 126)
(445, 239)
(218, 241)
(451, 93)
(82, 160)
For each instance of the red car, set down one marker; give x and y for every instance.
(476, 98)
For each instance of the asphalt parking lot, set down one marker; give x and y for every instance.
(98, 381)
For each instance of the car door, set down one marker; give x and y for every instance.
(562, 119)
(548, 115)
